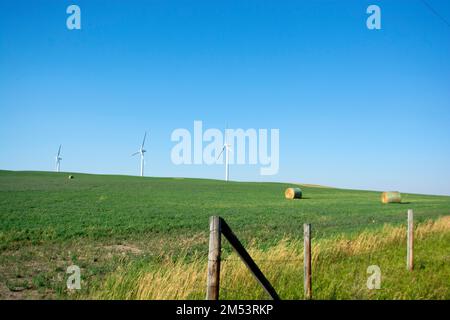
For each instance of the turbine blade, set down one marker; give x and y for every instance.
(220, 153)
(135, 153)
(59, 150)
(143, 141)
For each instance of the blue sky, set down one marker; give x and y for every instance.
(356, 108)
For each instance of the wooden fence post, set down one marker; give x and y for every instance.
(212, 287)
(307, 260)
(410, 241)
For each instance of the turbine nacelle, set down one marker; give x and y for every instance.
(226, 147)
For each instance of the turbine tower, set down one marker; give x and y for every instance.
(227, 148)
(141, 151)
(58, 159)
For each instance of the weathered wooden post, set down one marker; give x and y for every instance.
(307, 260)
(410, 241)
(212, 287)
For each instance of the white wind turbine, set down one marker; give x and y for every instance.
(227, 148)
(141, 151)
(58, 159)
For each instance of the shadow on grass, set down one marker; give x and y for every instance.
(398, 203)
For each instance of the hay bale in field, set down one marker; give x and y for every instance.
(293, 193)
(71, 177)
(391, 197)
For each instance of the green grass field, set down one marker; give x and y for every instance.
(105, 223)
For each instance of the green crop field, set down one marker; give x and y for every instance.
(108, 225)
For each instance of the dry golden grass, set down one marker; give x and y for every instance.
(369, 241)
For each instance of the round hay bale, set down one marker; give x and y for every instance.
(71, 177)
(293, 193)
(391, 197)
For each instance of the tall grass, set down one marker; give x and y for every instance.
(339, 270)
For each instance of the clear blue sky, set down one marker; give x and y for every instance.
(356, 108)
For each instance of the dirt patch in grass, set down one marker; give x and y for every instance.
(124, 248)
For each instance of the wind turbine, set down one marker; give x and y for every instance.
(58, 159)
(227, 148)
(141, 151)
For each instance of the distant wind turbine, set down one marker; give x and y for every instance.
(58, 159)
(141, 151)
(227, 148)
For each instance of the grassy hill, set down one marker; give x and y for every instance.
(47, 220)
(38, 206)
